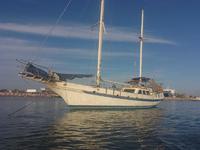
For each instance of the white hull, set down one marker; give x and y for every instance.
(91, 96)
(81, 95)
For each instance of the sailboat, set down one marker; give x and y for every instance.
(139, 92)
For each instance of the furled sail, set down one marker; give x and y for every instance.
(33, 71)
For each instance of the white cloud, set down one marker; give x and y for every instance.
(18, 48)
(79, 31)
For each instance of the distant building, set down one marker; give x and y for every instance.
(4, 90)
(169, 92)
(31, 90)
(197, 98)
(42, 89)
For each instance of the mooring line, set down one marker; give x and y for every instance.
(20, 109)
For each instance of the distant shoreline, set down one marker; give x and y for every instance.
(43, 94)
(180, 99)
(25, 94)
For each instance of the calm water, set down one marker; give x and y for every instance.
(49, 124)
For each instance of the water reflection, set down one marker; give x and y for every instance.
(107, 129)
(48, 124)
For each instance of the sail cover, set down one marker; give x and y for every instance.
(64, 77)
(138, 79)
(32, 70)
(35, 71)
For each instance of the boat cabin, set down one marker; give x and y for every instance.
(137, 90)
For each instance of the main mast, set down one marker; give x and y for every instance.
(141, 41)
(101, 28)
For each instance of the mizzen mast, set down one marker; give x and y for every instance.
(141, 41)
(101, 30)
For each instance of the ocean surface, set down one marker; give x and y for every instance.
(47, 123)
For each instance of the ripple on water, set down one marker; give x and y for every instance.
(48, 124)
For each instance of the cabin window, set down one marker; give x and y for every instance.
(129, 90)
(140, 92)
(148, 93)
(144, 92)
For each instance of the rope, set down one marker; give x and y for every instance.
(20, 109)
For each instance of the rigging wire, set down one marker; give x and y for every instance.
(56, 23)
(49, 33)
(107, 61)
(135, 65)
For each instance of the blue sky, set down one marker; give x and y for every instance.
(171, 51)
